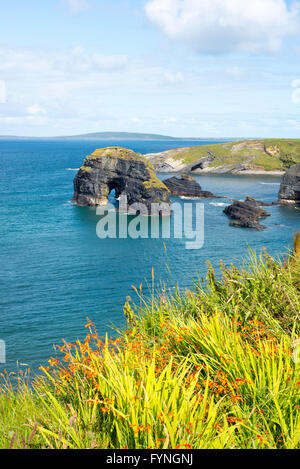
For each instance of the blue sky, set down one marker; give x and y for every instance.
(188, 68)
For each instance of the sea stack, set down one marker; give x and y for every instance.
(125, 171)
(289, 192)
(246, 214)
(187, 186)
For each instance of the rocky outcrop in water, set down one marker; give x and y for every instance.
(289, 192)
(122, 170)
(186, 186)
(246, 214)
(258, 203)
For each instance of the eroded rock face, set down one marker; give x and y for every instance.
(246, 214)
(186, 186)
(258, 203)
(199, 165)
(289, 192)
(126, 172)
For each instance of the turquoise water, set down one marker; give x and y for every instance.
(54, 269)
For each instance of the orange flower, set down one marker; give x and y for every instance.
(94, 401)
(186, 446)
(90, 324)
(105, 410)
(262, 439)
(53, 361)
(234, 420)
(237, 398)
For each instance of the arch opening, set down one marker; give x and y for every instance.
(116, 188)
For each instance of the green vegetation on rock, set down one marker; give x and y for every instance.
(123, 153)
(124, 171)
(115, 152)
(154, 182)
(86, 169)
(268, 154)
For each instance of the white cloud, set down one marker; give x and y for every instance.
(69, 91)
(219, 26)
(35, 110)
(2, 92)
(50, 64)
(136, 120)
(296, 92)
(77, 6)
(293, 123)
(113, 62)
(170, 120)
(234, 72)
(172, 77)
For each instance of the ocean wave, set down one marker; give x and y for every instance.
(270, 183)
(72, 169)
(183, 197)
(219, 204)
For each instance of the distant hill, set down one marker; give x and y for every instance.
(112, 136)
(120, 136)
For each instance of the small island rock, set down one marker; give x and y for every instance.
(122, 170)
(246, 214)
(186, 186)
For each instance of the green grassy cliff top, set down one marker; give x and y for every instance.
(115, 152)
(125, 154)
(268, 154)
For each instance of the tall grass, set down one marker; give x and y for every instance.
(216, 367)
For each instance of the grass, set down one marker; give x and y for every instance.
(155, 183)
(119, 153)
(114, 152)
(86, 169)
(268, 154)
(216, 367)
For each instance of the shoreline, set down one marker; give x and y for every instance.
(178, 166)
(215, 172)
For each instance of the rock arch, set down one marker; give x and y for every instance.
(126, 172)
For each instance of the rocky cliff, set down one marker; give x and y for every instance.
(186, 186)
(122, 170)
(272, 156)
(246, 214)
(289, 192)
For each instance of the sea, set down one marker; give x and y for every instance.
(56, 272)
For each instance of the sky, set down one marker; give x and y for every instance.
(185, 68)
